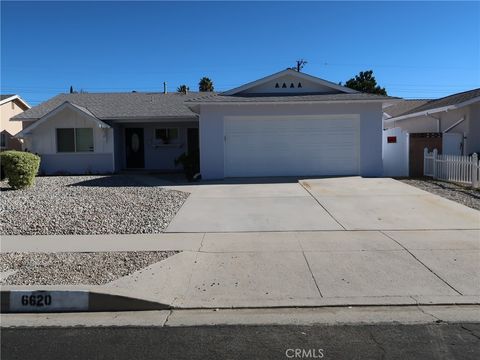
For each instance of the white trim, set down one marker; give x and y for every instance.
(455, 124)
(15, 97)
(433, 111)
(59, 108)
(291, 72)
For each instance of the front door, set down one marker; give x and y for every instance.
(134, 148)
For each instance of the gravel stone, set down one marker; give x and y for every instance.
(95, 268)
(464, 195)
(87, 205)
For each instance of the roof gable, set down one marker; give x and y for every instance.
(289, 82)
(64, 107)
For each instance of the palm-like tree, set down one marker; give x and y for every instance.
(205, 84)
(183, 89)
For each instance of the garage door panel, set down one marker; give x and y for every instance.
(276, 147)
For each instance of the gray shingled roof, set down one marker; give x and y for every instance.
(404, 106)
(106, 106)
(218, 98)
(120, 105)
(445, 101)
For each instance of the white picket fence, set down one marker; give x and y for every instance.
(455, 168)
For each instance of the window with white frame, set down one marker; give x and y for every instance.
(75, 140)
(166, 135)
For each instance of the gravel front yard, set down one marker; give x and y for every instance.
(75, 268)
(87, 205)
(463, 195)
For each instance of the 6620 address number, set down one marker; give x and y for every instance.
(36, 300)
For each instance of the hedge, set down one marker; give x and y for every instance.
(20, 168)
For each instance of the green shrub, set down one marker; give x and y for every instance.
(20, 168)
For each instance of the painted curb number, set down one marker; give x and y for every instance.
(48, 301)
(37, 300)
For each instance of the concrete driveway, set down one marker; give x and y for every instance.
(349, 203)
(250, 207)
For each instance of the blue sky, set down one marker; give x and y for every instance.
(428, 49)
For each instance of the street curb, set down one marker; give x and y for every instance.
(47, 301)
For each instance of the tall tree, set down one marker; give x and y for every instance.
(183, 89)
(300, 64)
(71, 89)
(365, 82)
(205, 84)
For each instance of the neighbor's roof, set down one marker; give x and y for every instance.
(403, 106)
(438, 105)
(6, 96)
(281, 98)
(119, 105)
(14, 97)
(447, 101)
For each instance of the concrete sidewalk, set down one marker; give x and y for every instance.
(278, 269)
(316, 269)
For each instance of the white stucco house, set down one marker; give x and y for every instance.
(285, 124)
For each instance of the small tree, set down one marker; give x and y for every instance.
(183, 89)
(365, 82)
(205, 84)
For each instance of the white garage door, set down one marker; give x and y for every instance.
(287, 146)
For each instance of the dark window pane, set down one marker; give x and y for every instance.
(160, 134)
(173, 133)
(65, 140)
(84, 139)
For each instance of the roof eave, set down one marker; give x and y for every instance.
(288, 102)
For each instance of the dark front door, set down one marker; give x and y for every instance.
(192, 140)
(193, 149)
(134, 148)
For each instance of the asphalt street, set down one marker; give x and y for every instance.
(432, 341)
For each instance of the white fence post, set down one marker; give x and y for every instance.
(475, 169)
(434, 163)
(425, 161)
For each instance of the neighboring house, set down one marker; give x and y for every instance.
(10, 105)
(288, 123)
(455, 117)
